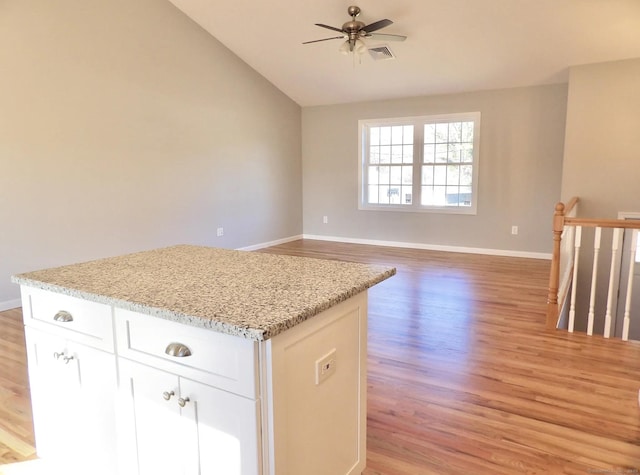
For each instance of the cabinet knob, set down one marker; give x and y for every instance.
(62, 356)
(63, 316)
(167, 395)
(178, 350)
(183, 402)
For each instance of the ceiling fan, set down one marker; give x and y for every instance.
(354, 30)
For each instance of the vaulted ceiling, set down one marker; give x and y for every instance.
(452, 46)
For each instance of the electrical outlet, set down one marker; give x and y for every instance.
(325, 366)
(514, 230)
(220, 232)
(325, 219)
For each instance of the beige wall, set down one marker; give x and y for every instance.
(521, 148)
(124, 126)
(602, 145)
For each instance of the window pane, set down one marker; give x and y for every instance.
(453, 195)
(374, 154)
(455, 131)
(373, 175)
(383, 194)
(453, 175)
(385, 135)
(439, 175)
(429, 154)
(373, 194)
(385, 154)
(466, 175)
(433, 196)
(408, 135)
(407, 175)
(406, 195)
(394, 195)
(430, 133)
(442, 133)
(374, 136)
(427, 175)
(407, 154)
(396, 154)
(453, 155)
(441, 153)
(467, 131)
(383, 175)
(396, 134)
(466, 152)
(459, 197)
(396, 175)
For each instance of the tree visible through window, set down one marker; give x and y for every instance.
(420, 163)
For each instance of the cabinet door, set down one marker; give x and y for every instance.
(72, 392)
(161, 435)
(227, 436)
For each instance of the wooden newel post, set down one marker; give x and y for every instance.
(554, 276)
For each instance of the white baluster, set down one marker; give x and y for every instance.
(574, 286)
(594, 278)
(615, 244)
(627, 303)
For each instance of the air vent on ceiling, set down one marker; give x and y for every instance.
(378, 53)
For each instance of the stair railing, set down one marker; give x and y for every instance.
(567, 247)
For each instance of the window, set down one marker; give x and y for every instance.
(420, 163)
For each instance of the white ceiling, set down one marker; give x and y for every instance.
(452, 45)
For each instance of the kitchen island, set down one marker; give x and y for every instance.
(197, 360)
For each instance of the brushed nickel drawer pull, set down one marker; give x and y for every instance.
(178, 350)
(63, 316)
(167, 395)
(183, 402)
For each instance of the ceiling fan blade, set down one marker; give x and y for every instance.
(324, 39)
(375, 26)
(329, 27)
(383, 36)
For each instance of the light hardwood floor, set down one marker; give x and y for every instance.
(463, 377)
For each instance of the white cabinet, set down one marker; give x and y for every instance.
(72, 394)
(120, 392)
(175, 424)
(180, 426)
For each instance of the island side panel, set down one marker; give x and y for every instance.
(316, 421)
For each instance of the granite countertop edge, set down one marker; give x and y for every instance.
(217, 322)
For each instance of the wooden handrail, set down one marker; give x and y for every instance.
(603, 223)
(570, 205)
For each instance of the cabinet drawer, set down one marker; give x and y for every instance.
(223, 361)
(70, 317)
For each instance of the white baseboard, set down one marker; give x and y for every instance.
(9, 304)
(270, 243)
(433, 247)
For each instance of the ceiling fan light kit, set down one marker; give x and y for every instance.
(354, 31)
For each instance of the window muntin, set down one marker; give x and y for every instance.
(420, 164)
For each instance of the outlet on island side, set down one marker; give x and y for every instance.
(325, 366)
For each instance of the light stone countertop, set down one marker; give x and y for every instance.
(248, 294)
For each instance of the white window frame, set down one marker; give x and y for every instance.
(418, 151)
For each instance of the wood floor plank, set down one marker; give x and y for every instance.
(463, 377)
